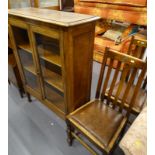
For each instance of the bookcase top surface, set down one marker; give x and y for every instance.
(61, 18)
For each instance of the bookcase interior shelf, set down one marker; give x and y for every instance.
(54, 97)
(21, 37)
(52, 79)
(30, 68)
(48, 49)
(26, 47)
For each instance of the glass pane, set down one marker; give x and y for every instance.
(54, 96)
(31, 80)
(51, 74)
(50, 61)
(19, 3)
(22, 39)
(26, 58)
(48, 49)
(47, 3)
(29, 69)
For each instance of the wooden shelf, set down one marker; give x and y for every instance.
(53, 79)
(30, 68)
(54, 98)
(25, 47)
(49, 56)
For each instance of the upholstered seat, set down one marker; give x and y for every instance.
(99, 120)
(140, 99)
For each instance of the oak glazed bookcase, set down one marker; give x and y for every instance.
(54, 53)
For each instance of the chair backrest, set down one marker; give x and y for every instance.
(110, 76)
(137, 48)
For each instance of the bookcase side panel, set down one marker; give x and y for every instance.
(78, 55)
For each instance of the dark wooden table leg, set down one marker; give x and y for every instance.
(21, 92)
(29, 97)
(9, 82)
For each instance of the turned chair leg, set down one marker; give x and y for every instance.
(29, 97)
(69, 133)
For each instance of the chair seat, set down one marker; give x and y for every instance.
(140, 99)
(98, 121)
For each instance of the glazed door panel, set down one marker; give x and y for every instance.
(25, 54)
(48, 51)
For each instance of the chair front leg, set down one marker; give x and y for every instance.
(70, 129)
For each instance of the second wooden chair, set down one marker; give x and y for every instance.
(102, 120)
(137, 48)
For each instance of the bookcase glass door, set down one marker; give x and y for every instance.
(48, 50)
(26, 58)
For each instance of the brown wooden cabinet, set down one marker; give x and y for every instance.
(54, 51)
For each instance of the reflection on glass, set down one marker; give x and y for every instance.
(29, 69)
(54, 96)
(31, 80)
(25, 55)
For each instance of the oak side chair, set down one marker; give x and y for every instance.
(103, 120)
(137, 48)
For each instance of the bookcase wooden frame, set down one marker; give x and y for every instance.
(75, 43)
